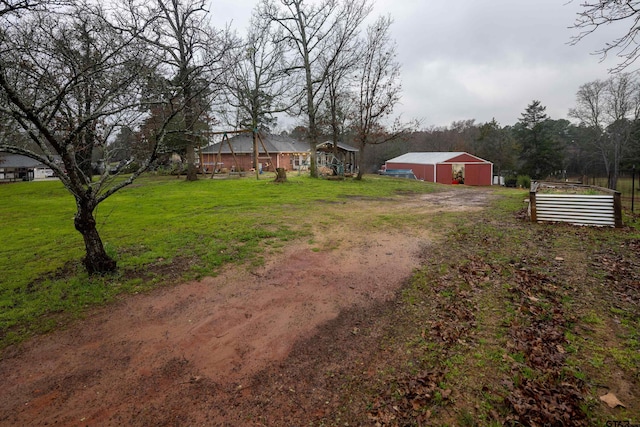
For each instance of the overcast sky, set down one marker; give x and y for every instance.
(470, 59)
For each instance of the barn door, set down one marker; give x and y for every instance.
(457, 172)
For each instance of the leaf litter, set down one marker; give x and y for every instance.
(539, 387)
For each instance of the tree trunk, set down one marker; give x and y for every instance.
(256, 153)
(190, 122)
(361, 155)
(96, 260)
(192, 173)
(281, 175)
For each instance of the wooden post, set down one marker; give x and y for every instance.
(532, 202)
(633, 187)
(617, 208)
(218, 157)
(532, 206)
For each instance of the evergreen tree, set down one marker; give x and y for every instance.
(497, 145)
(541, 153)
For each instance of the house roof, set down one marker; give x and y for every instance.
(340, 145)
(243, 144)
(17, 161)
(433, 157)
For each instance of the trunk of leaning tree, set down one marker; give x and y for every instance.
(96, 260)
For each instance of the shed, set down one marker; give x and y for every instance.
(16, 167)
(445, 167)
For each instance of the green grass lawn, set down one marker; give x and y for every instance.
(158, 229)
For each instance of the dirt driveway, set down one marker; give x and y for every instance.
(185, 355)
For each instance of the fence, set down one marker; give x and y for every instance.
(630, 191)
(575, 204)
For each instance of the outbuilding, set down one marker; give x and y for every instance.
(15, 167)
(445, 167)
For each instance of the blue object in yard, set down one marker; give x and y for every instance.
(400, 173)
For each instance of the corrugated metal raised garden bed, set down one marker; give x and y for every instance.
(575, 204)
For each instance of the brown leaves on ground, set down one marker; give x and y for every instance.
(622, 271)
(414, 399)
(535, 392)
(527, 286)
(409, 399)
(537, 333)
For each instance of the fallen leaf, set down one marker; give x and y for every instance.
(611, 400)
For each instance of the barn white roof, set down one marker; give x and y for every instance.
(429, 158)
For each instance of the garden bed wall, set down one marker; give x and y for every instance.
(575, 204)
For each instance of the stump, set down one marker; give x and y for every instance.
(281, 175)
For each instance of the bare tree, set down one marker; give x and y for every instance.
(17, 6)
(339, 103)
(590, 104)
(70, 81)
(318, 32)
(191, 51)
(378, 89)
(258, 84)
(608, 109)
(602, 13)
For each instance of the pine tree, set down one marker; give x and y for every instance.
(540, 154)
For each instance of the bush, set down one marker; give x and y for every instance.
(131, 167)
(510, 181)
(524, 181)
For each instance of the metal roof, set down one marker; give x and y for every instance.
(243, 144)
(17, 161)
(430, 158)
(340, 145)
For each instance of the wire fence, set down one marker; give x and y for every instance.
(628, 186)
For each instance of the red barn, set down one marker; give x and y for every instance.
(445, 167)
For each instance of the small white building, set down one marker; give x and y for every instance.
(15, 167)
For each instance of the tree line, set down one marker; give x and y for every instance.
(603, 138)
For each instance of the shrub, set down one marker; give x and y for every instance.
(510, 181)
(524, 181)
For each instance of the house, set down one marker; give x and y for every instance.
(15, 167)
(236, 153)
(445, 167)
(274, 151)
